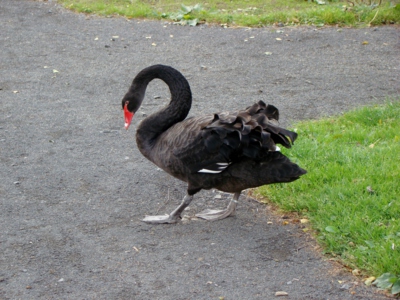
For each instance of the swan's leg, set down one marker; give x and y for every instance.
(214, 214)
(172, 217)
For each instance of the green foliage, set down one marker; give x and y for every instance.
(248, 12)
(388, 281)
(351, 191)
(186, 15)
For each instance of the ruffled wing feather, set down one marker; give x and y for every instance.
(230, 137)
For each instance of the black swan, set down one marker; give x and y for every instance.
(226, 151)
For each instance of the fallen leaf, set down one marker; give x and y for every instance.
(331, 229)
(281, 293)
(304, 221)
(373, 144)
(154, 44)
(370, 190)
(369, 280)
(269, 223)
(278, 39)
(365, 43)
(55, 71)
(356, 272)
(285, 222)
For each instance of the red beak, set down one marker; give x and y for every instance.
(128, 116)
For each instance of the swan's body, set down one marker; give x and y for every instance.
(226, 151)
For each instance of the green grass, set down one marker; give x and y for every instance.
(247, 12)
(351, 193)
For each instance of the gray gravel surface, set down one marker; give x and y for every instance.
(74, 187)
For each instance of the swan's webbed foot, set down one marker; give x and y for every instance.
(172, 217)
(214, 214)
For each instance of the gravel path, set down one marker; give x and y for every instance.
(74, 187)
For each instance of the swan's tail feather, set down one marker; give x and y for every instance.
(251, 132)
(231, 137)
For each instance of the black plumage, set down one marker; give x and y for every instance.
(227, 151)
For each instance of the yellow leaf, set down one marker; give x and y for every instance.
(365, 43)
(356, 272)
(303, 221)
(369, 280)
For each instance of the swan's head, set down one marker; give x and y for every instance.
(130, 105)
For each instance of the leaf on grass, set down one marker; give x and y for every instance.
(385, 281)
(370, 190)
(370, 244)
(331, 229)
(396, 287)
(362, 248)
(192, 22)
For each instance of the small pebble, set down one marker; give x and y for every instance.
(281, 293)
(345, 286)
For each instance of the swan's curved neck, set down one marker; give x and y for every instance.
(174, 112)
